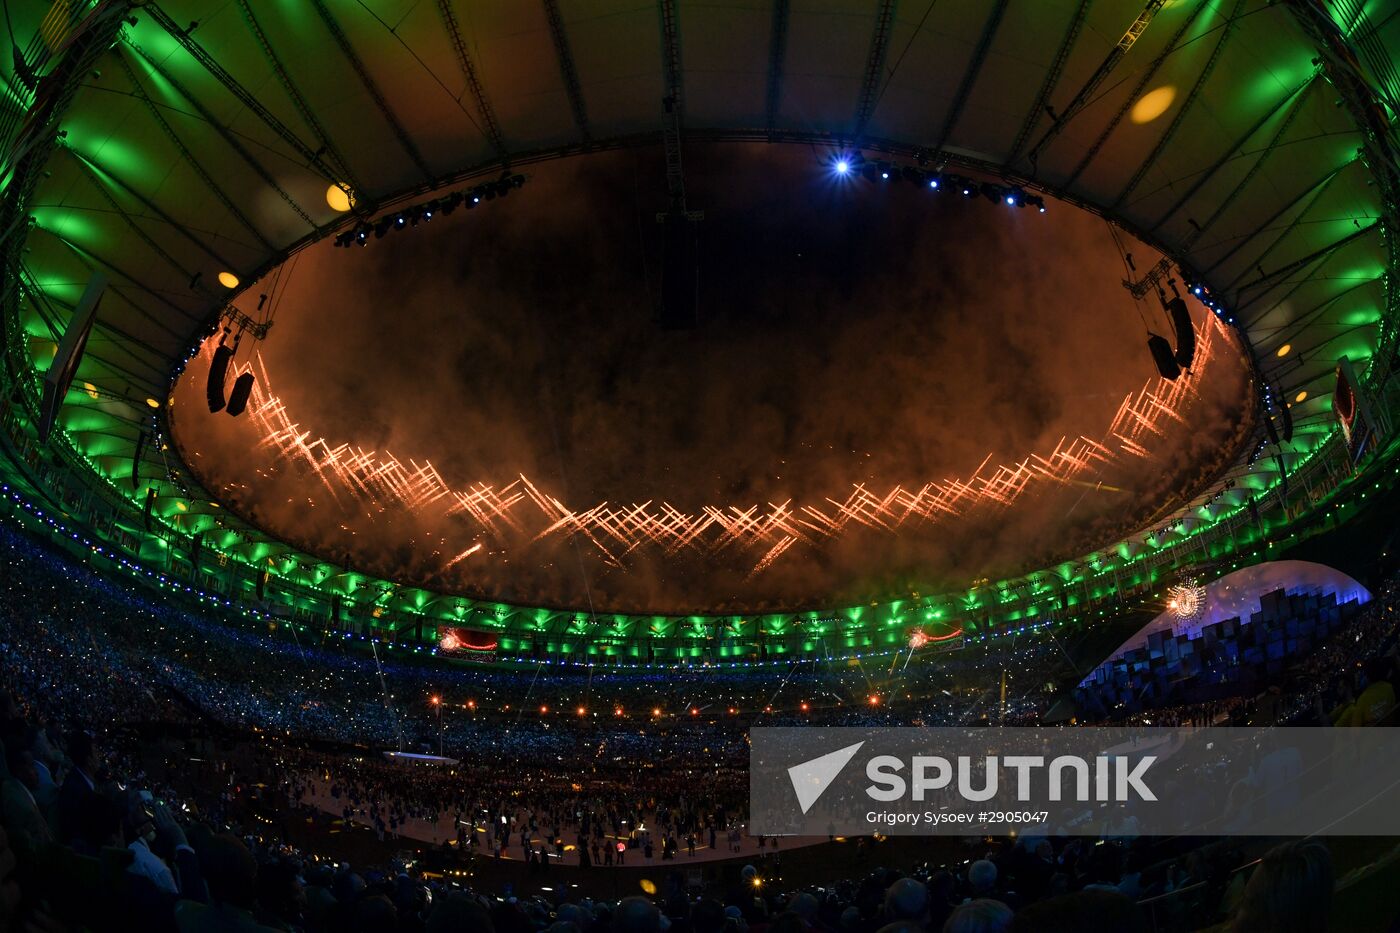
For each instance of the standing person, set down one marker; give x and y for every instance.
(78, 788)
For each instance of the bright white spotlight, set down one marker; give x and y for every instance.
(842, 167)
(933, 182)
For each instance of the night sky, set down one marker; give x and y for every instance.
(850, 333)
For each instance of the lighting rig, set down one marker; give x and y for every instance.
(424, 213)
(1217, 306)
(883, 172)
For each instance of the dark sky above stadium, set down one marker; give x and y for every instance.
(849, 334)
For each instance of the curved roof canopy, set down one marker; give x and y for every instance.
(201, 142)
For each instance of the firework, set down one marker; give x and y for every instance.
(1187, 599)
(766, 532)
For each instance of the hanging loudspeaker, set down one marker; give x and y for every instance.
(1185, 333)
(218, 374)
(238, 398)
(150, 503)
(1287, 424)
(1162, 355)
(1272, 431)
(261, 583)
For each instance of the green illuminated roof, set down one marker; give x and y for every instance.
(205, 138)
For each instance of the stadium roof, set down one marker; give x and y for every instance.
(201, 137)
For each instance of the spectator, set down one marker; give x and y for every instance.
(906, 899)
(78, 789)
(982, 878)
(18, 808)
(983, 915)
(1289, 892)
(636, 915)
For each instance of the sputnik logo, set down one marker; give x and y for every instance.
(811, 778)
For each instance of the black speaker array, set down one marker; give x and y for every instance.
(238, 398)
(1185, 333)
(1162, 354)
(218, 374)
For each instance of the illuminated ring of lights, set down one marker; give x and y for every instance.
(1187, 599)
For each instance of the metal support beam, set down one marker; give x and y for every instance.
(1297, 96)
(1295, 328)
(371, 87)
(1271, 278)
(1086, 93)
(671, 57)
(1254, 169)
(970, 73)
(1147, 77)
(874, 67)
(98, 182)
(29, 288)
(87, 256)
(1052, 78)
(244, 96)
(1201, 79)
(299, 102)
(567, 71)
(190, 160)
(231, 140)
(489, 126)
(31, 148)
(1310, 193)
(1369, 100)
(674, 119)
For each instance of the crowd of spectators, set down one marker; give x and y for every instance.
(1347, 680)
(92, 840)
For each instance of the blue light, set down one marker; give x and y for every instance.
(843, 167)
(1010, 199)
(933, 182)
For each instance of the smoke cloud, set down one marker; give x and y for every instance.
(850, 334)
